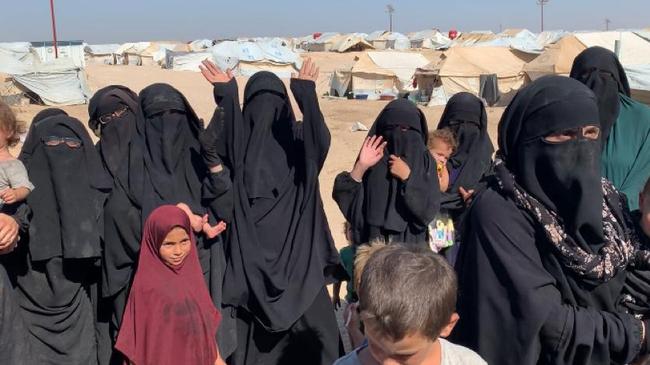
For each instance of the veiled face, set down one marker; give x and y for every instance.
(175, 247)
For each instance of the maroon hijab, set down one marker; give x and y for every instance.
(169, 317)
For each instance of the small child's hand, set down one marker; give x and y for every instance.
(212, 232)
(196, 221)
(399, 168)
(9, 196)
(467, 195)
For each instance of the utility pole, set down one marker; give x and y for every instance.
(390, 10)
(541, 4)
(607, 22)
(56, 49)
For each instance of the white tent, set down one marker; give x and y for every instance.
(430, 39)
(59, 82)
(72, 50)
(247, 58)
(103, 53)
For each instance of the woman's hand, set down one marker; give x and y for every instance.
(371, 153)
(309, 71)
(467, 195)
(213, 231)
(399, 168)
(213, 73)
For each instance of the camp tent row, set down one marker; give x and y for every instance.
(491, 66)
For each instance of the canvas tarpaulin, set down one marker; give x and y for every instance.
(250, 57)
(57, 83)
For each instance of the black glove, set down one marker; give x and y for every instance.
(210, 139)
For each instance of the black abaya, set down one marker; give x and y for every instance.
(56, 266)
(381, 206)
(513, 281)
(280, 250)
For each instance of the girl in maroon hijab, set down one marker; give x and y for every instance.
(169, 316)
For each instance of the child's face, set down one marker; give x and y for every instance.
(175, 247)
(644, 207)
(413, 349)
(440, 150)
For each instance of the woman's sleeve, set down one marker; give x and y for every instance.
(228, 113)
(511, 308)
(218, 195)
(349, 195)
(315, 133)
(422, 196)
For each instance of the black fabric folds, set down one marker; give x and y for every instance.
(465, 116)
(280, 248)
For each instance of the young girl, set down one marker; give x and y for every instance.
(14, 182)
(169, 316)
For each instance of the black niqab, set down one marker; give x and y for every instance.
(30, 140)
(173, 166)
(601, 71)
(67, 202)
(565, 177)
(269, 121)
(115, 136)
(465, 116)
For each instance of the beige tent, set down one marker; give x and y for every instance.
(350, 43)
(557, 59)
(460, 68)
(378, 73)
(149, 53)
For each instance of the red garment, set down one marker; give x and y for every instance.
(169, 317)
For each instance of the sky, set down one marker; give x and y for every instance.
(105, 21)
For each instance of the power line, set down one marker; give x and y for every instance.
(541, 4)
(390, 10)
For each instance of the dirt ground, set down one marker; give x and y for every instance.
(339, 114)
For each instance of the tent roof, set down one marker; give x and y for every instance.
(376, 35)
(392, 64)
(557, 58)
(634, 49)
(346, 42)
(472, 62)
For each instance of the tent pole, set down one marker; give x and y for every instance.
(56, 50)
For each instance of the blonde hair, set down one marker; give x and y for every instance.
(445, 135)
(11, 125)
(361, 258)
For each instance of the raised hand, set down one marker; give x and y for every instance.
(309, 71)
(371, 153)
(214, 74)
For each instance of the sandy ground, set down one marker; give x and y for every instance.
(339, 114)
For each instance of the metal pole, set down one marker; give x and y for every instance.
(542, 16)
(56, 49)
(391, 22)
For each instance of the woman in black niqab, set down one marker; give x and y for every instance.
(113, 111)
(56, 265)
(547, 269)
(381, 206)
(152, 150)
(280, 250)
(465, 116)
